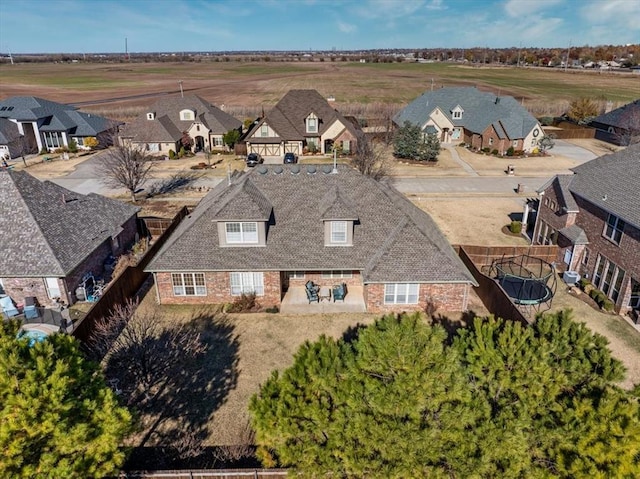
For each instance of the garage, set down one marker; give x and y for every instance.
(266, 149)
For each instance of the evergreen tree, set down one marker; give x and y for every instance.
(57, 416)
(409, 142)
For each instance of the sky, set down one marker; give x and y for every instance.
(95, 26)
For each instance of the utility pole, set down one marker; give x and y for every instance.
(519, 49)
(10, 57)
(566, 63)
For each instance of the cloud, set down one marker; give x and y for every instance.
(389, 9)
(347, 27)
(616, 14)
(518, 8)
(435, 5)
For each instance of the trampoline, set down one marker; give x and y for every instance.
(530, 282)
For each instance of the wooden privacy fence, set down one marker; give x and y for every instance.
(566, 130)
(126, 285)
(495, 299)
(202, 474)
(154, 226)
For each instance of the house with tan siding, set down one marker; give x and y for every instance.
(276, 227)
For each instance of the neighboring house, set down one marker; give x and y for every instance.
(48, 125)
(163, 125)
(620, 126)
(594, 217)
(302, 118)
(479, 119)
(10, 139)
(276, 227)
(52, 237)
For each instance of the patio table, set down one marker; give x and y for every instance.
(325, 293)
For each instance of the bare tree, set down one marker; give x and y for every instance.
(126, 167)
(371, 159)
(546, 143)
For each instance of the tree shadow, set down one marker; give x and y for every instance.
(179, 393)
(352, 332)
(175, 182)
(452, 326)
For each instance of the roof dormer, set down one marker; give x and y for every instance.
(187, 115)
(457, 112)
(311, 123)
(151, 115)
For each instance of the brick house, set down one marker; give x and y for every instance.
(276, 227)
(620, 126)
(302, 118)
(479, 119)
(594, 217)
(163, 125)
(52, 237)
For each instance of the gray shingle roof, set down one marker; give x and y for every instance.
(620, 117)
(167, 125)
(287, 117)
(54, 116)
(480, 111)
(575, 234)
(8, 131)
(47, 230)
(612, 182)
(393, 240)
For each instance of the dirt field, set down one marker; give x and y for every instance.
(247, 87)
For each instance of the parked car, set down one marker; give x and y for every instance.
(254, 159)
(290, 158)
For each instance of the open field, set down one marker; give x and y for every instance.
(122, 89)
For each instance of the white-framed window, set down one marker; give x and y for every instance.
(1, 287)
(53, 139)
(151, 116)
(79, 140)
(614, 228)
(338, 232)
(186, 115)
(457, 114)
(585, 257)
(634, 301)
(490, 141)
(242, 233)
(264, 130)
(346, 146)
(296, 274)
(312, 124)
(153, 147)
(188, 284)
(53, 287)
(343, 274)
(247, 283)
(217, 141)
(401, 293)
(515, 143)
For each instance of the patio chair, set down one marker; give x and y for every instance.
(312, 292)
(339, 292)
(8, 307)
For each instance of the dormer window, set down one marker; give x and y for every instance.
(338, 232)
(151, 116)
(312, 124)
(242, 232)
(187, 115)
(457, 112)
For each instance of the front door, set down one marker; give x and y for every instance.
(567, 256)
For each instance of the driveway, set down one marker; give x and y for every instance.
(564, 148)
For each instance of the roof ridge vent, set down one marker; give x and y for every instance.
(327, 169)
(311, 170)
(263, 170)
(278, 170)
(295, 169)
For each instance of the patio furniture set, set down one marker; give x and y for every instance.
(316, 293)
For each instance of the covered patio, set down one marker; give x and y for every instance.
(295, 301)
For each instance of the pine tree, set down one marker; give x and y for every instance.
(57, 416)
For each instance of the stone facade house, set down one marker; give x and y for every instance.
(302, 118)
(52, 237)
(10, 139)
(479, 119)
(46, 125)
(594, 217)
(274, 228)
(163, 125)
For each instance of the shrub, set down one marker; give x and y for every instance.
(584, 283)
(510, 151)
(243, 304)
(607, 305)
(515, 227)
(546, 121)
(73, 146)
(494, 151)
(594, 293)
(182, 152)
(91, 142)
(486, 149)
(272, 309)
(313, 148)
(44, 150)
(172, 155)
